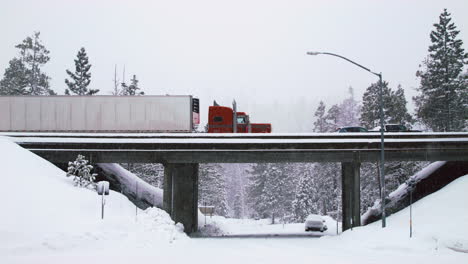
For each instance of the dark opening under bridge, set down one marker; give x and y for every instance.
(181, 153)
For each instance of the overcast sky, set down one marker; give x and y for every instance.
(251, 51)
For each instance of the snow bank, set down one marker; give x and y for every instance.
(41, 210)
(439, 222)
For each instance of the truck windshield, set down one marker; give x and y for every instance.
(241, 120)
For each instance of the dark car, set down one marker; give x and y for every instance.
(351, 129)
(395, 128)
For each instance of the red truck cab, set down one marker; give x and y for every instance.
(222, 119)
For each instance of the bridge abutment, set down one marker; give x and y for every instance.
(180, 197)
(351, 196)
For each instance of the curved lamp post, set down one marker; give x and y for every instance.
(382, 156)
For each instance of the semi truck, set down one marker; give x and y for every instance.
(104, 113)
(159, 114)
(222, 119)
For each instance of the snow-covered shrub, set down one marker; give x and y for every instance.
(80, 170)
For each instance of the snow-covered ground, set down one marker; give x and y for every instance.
(45, 219)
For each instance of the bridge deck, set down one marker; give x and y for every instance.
(204, 148)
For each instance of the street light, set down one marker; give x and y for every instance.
(382, 156)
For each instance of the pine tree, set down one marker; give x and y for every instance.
(152, 173)
(320, 124)
(15, 81)
(306, 198)
(349, 110)
(131, 89)
(270, 189)
(328, 176)
(344, 114)
(34, 55)
(235, 188)
(255, 188)
(212, 188)
(80, 170)
(333, 118)
(82, 77)
(273, 194)
(237, 206)
(442, 103)
(395, 111)
(370, 184)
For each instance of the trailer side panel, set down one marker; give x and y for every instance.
(96, 113)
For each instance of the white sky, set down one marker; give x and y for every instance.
(253, 51)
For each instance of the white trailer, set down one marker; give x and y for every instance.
(96, 113)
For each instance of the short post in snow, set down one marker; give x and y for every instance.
(204, 204)
(411, 185)
(103, 189)
(136, 197)
(411, 214)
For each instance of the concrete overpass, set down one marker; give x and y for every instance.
(181, 154)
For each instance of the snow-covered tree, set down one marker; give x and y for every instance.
(270, 189)
(255, 188)
(328, 176)
(236, 188)
(81, 78)
(275, 191)
(398, 113)
(152, 173)
(333, 118)
(346, 113)
(131, 89)
(15, 80)
(394, 107)
(306, 197)
(320, 124)
(212, 188)
(80, 170)
(350, 110)
(443, 100)
(237, 210)
(370, 184)
(23, 76)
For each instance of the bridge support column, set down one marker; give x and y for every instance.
(167, 191)
(180, 198)
(351, 196)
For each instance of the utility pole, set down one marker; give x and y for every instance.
(382, 148)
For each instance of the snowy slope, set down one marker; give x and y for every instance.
(41, 210)
(439, 222)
